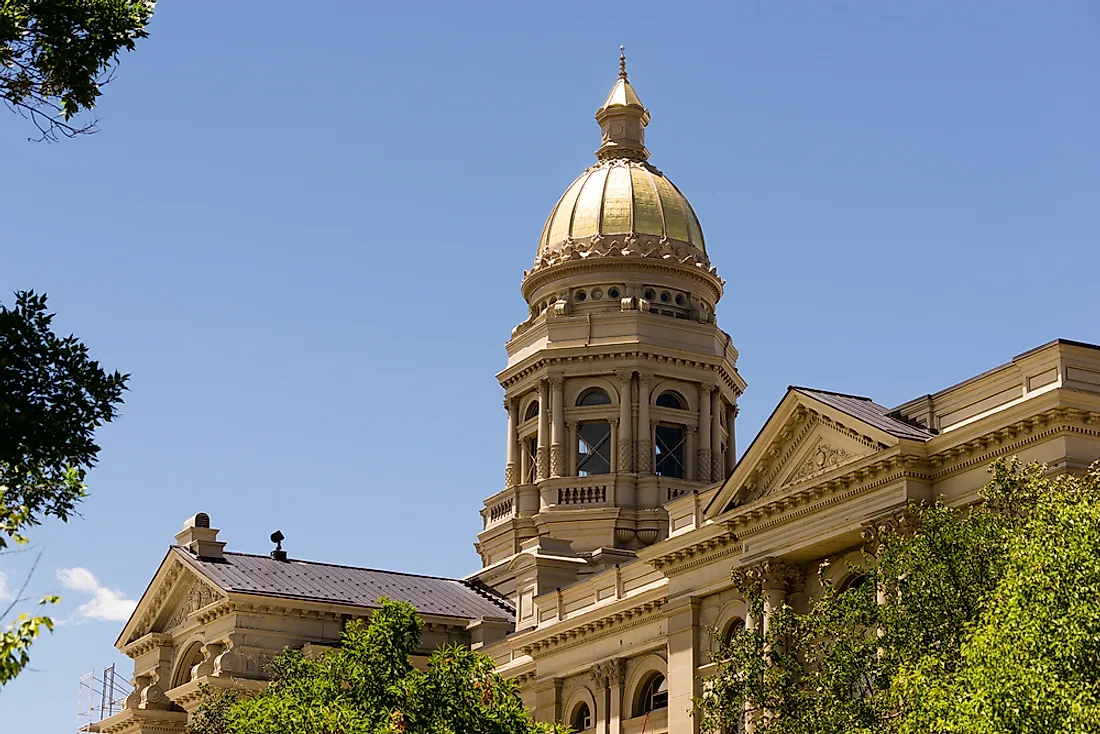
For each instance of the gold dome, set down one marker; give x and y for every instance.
(622, 206)
(623, 199)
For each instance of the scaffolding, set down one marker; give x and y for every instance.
(100, 696)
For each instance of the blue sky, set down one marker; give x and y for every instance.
(303, 234)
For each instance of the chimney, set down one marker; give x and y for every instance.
(200, 539)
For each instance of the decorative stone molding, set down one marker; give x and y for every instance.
(596, 629)
(557, 461)
(511, 476)
(697, 554)
(901, 521)
(609, 673)
(199, 596)
(771, 573)
(542, 462)
(645, 450)
(626, 455)
(821, 458)
(210, 652)
(703, 465)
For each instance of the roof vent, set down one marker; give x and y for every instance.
(277, 538)
(200, 539)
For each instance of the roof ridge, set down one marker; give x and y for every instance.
(339, 565)
(832, 392)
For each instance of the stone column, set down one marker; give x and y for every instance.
(716, 458)
(683, 661)
(689, 451)
(571, 448)
(542, 458)
(616, 678)
(557, 435)
(548, 700)
(613, 439)
(511, 477)
(626, 441)
(644, 454)
(731, 438)
(524, 463)
(702, 473)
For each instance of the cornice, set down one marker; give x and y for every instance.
(1010, 439)
(560, 636)
(544, 361)
(146, 643)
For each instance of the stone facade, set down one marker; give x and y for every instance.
(625, 512)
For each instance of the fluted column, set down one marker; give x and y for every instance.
(557, 435)
(689, 451)
(626, 440)
(613, 459)
(511, 473)
(542, 456)
(702, 472)
(644, 454)
(716, 458)
(731, 438)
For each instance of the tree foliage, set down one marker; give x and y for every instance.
(983, 619)
(56, 55)
(367, 686)
(54, 397)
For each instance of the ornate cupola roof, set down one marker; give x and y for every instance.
(622, 206)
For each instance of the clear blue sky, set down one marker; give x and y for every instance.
(302, 230)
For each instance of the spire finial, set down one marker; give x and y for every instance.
(622, 62)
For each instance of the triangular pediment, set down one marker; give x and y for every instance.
(176, 591)
(803, 440)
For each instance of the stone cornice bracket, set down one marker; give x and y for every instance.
(769, 574)
(901, 521)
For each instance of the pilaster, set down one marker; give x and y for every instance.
(644, 451)
(683, 662)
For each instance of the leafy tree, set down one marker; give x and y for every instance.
(367, 686)
(54, 397)
(982, 619)
(55, 56)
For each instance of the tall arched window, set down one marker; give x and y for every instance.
(581, 720)
(733, 628)
(670, 451)
(593, 449)
(669, 399)
(652, 696)
(594, 396)
(532, 410)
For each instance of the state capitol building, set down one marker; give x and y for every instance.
(607, 553)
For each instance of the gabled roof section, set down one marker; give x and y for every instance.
(244, 573)
(810, 434)
(869, 412)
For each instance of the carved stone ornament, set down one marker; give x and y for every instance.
(197, 597)
(900, 521)
(771, 573)
(608, 673)
(821, 458)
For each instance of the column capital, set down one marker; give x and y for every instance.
(707, 387)
(691, 430)
(645, 376)
(571, 425)
(624, 375)
(556, 380)
(770, 573)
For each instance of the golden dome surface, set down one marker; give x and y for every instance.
(621, 197)
(622, 206)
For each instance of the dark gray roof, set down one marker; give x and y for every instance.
(249, 574)
(869, 412)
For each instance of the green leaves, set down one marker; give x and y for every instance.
(368, 686)
(989, 621)
(56, 55)
(17, 638)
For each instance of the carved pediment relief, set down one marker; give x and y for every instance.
(193, 595)
(821, 457)
(806, 448)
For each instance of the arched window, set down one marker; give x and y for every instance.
(581, 720)
(532, 410)
(192, 657)
(594, 396)
(669, 399)
(653, 695)
(732, 629)
(593, 449)
(855, 581)
(670, 451)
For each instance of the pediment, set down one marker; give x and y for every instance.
(176, 591)
(802, 440)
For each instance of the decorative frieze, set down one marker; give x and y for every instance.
(596, 629)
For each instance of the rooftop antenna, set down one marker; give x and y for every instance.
(277, 538)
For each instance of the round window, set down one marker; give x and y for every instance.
(612, 292)
(597, 294)
(581, 295)
(650, 294)
(665, 296)
(679, 300)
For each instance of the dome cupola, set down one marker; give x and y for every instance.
(622, 207)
